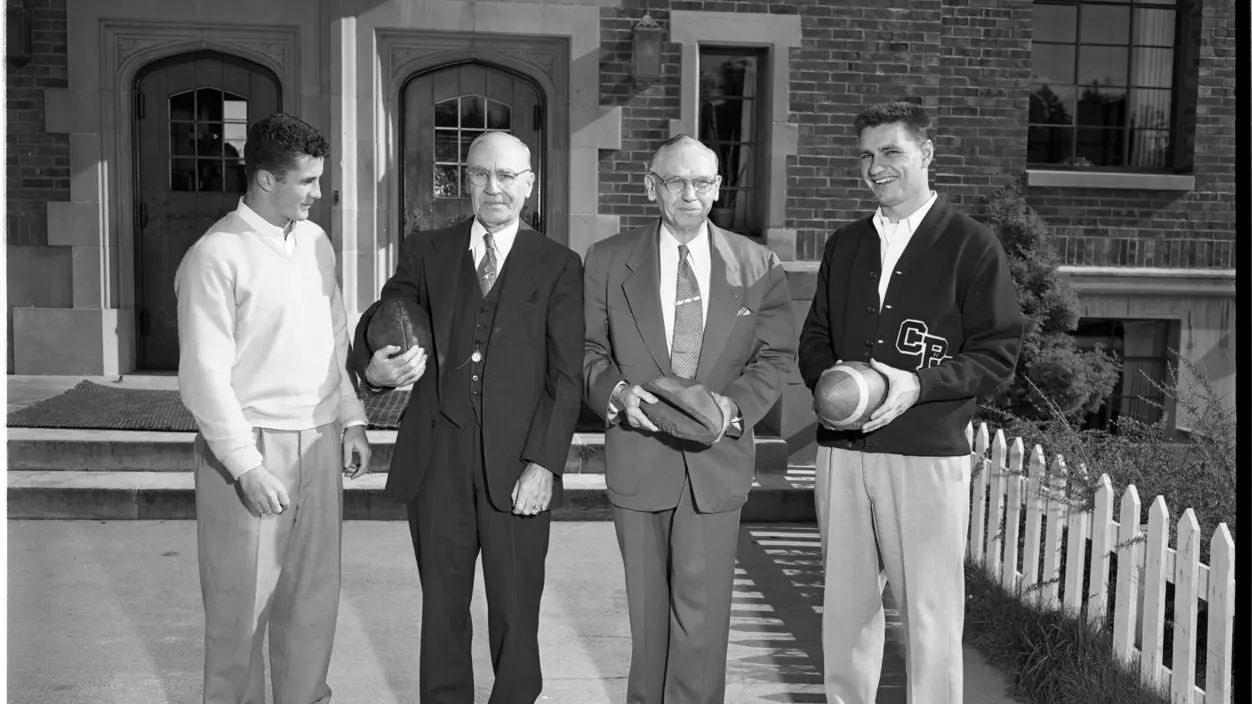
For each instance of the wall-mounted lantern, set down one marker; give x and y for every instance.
(645, 59)
(17, 35)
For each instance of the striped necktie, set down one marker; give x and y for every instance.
(688, 320)
(487, 267)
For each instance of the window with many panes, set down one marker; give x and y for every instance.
(731, 82)
(458, 121)
(208, 129)
(1143, 347)
(1103, 76)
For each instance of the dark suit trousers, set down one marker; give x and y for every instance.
(680, 570)
(451, 520)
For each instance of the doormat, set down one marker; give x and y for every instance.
(92, 406)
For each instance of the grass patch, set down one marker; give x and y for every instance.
(1052, 657)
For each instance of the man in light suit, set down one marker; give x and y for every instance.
(685, 298)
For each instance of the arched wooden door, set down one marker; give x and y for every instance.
(444, 110)
(192, 115)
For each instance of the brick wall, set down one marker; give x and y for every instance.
(38, 164)
(969, 63)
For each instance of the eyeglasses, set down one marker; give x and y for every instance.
(479, 177)
(678, 185)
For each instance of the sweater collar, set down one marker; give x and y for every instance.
(263, 226)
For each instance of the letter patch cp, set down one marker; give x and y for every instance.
(915, 339)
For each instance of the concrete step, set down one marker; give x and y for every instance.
(164, 495)
(39, 449)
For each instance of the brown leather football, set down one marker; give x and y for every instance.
(400, 322)
(684, 409)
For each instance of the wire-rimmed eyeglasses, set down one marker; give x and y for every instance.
(480, 177)
(678, 185)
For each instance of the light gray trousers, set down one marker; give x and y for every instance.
(278, 571)
(899, 520)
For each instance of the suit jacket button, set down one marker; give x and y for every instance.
(871, 309)
(873, 274)
(869, 343)
(432, 424)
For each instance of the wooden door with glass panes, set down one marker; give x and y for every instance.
(444, 110)
(191, 118)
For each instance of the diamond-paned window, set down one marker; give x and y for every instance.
(208, 129)
(458, 121)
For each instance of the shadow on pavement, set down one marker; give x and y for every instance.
(776, 615)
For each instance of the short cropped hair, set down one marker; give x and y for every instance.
(681, 139)
(914, 117)
(275, 142)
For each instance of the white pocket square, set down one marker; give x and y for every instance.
(743, 310)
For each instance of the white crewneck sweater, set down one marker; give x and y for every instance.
(262, 334)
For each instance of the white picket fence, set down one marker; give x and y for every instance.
(1143, 566)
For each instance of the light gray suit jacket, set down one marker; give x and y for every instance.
(748, 350)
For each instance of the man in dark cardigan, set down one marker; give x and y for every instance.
(922, 293)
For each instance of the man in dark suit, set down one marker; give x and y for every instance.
(482, 445)
(682, 297)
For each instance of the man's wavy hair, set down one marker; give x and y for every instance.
(274, 143)
(914, 117)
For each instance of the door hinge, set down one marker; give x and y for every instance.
(539, 118)
(139, 106)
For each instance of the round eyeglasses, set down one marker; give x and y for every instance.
(479, 177)
(678, 185)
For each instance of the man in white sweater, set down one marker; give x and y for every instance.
(263, 347)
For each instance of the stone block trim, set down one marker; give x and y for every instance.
(781, 34)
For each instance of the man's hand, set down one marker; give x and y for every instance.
(533, 491)
(263, 494)
(627, 398)
(729, 411)
(355, 443)
(903, 388)
(400, 370)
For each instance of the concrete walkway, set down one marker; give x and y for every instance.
(109, 612)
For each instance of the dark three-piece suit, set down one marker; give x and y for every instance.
(473, 424)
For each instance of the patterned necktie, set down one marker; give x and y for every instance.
(487, 267)
(688, 320)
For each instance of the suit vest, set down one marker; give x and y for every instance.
(472, 319)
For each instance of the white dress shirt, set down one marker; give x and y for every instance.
(699, 255)
(503, 240)
(894, 237)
